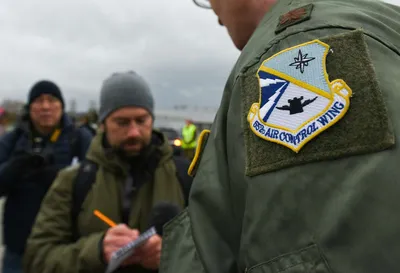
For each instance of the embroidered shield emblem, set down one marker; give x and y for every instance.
(297, 101)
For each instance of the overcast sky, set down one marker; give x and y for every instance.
(179, 48)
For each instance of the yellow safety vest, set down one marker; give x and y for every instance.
(189, 137)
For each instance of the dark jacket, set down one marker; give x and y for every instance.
(25, 185)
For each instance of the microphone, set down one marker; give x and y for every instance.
(161, 214)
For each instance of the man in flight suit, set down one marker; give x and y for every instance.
(307, 186)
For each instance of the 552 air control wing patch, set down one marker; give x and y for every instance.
(297, 101)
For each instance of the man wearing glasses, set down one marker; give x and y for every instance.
(300, 171)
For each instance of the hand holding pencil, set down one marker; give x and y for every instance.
(117, 236)
(123, 246)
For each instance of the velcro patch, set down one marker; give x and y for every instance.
(298, 93)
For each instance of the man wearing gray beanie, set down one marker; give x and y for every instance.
(125, 89)
(130, 168)
(126, 98)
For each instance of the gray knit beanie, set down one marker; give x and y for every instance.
(122, 90)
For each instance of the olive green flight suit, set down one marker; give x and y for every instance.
(331, 206)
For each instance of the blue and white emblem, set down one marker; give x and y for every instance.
(297, 100)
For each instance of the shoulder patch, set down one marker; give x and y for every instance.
(297, 101)
(274, 127)
(199, 151)
(294, 17)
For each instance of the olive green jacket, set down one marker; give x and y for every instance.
(50, 247)
(332, 206)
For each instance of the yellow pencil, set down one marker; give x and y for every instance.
(104, 218)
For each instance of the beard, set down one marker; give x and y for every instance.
(128, 155)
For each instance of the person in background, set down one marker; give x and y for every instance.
(129, 169)
(189, 139)
(43, 142)
(85, 122)
(4, 122)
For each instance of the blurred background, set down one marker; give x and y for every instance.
(179, 48)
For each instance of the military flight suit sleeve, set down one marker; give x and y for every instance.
(179, 253)
(325, 207)
(256, 206)
(49, 247)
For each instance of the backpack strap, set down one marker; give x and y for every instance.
(83, 183)
(182, 167)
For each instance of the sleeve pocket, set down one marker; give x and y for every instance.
(305, 260)
(179, 253)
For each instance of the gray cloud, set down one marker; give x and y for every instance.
(180, 49)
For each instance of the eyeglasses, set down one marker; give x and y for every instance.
(205, 4)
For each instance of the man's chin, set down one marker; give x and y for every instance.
(47, 125)
(129, 152)
(128, 155)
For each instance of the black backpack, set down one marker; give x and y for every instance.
(87, 176)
